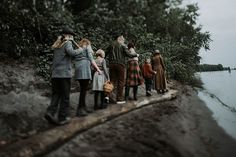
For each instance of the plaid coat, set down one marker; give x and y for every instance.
(134, 74)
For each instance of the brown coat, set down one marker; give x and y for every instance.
(159, 67)
(147, 70)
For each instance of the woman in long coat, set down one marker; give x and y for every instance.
(159, 66)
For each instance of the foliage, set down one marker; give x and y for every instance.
(150, 24)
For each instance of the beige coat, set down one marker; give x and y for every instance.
(159, 67)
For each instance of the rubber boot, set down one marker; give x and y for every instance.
(96, 94)
(103, 105)
(126, 93)
(135, 92)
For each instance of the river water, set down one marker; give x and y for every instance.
(219, 94)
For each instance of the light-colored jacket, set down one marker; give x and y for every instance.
(132, 52)
(61, 67)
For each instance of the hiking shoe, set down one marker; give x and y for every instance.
(64, 121)
(88, 110)
(81, 113)
(103, 106)
(121, 102)
(148, 93)
(50, 118)
(96, 108)
(106, 99)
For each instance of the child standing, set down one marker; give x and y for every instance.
(148, 76)
(99, 80)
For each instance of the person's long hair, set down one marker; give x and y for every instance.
(84, 40)
(58, 42)
(61, 40)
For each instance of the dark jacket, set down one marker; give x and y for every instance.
(117, 53)
(61, 66)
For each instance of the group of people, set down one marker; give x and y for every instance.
(124, 71)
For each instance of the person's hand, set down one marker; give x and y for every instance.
(155, 72)
(80, 49)
(71, 38)
(137, 55)
(99, 72)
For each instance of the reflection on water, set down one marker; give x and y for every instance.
(220, 97)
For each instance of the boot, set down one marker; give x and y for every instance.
(103, 105)
(126, 93)
(96, 100)
(81, 112)
(135, 91)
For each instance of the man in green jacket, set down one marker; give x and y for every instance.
(116, 54)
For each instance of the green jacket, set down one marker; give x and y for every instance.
(117, 53)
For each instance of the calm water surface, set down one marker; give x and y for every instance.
(220, 97)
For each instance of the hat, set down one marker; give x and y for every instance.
(116, 34)
(131, 45)
(67, 30)
(156, 52)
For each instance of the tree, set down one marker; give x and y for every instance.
(150, 24)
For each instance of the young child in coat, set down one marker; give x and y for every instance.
(148, 76)
(99, 80)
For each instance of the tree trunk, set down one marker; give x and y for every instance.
(37, 20)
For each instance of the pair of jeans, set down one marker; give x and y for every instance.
(117, 75)
(148, 84)
(83, 91)
(60, 97)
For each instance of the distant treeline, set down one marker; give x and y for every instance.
(212, 67)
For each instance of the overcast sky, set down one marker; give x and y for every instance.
(219, 18)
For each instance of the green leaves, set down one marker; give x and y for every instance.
(166, 25)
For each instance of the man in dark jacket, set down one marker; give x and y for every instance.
(61, 77)
(117, 53)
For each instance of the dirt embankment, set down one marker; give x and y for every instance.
(22, 100)
(24, 97)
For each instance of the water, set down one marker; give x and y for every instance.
(220, 97)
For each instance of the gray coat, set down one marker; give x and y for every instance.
(83, 64)
(61, 67)
(100, 79)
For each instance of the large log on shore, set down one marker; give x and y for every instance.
(42, 143)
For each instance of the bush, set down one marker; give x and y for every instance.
(30, 29)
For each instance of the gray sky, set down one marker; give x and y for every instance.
(219, 18)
